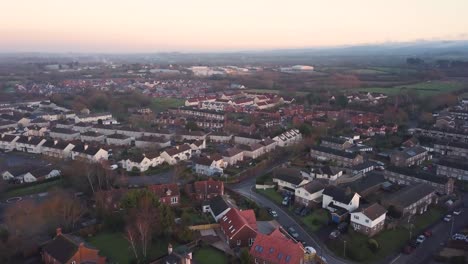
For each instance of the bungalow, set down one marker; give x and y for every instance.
(239, 227)
(68, 249)
(217, 207)
(233, 155)
(340, 157)
(413, 199)
(29, 144)
(205, 190)
(89, 153)
(64, 134)
(369, 220)
(152, 142)
(409, 157)
(209, 166)
(119, 140)
(177, 153)
(309, 192)
(326, 172)
(91, 136)
(57, 149)
(276, 248)
(8, 142)
(339, 202)
(288, 179)
(168, 194)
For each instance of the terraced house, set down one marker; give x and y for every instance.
(342, 158)
(409, 157)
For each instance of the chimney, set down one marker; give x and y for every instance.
(58, 231)
(169, 249)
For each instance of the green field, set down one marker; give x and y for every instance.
(33, 189)
(366, 71)
(423, 88)
(115, 247)
(272, 91)
(272, 195)
(209, 255)
(162, 104)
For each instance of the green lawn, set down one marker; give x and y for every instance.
(298, 93)
(366, 71)
(315, 220)
(421, 222)
(162, 104)
(422, 88)
(272, 195)
(33, 189)
(209, 255)
(115, 247)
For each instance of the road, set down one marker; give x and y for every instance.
(441, 233)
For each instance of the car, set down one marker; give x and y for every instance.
(457, 212)
(292, 231)
(459, 237)
(334, 234)
(448, 218)
(285, 201)
(114, 167)
(420, 239)
(305, 211)
(413, 244)
(273, 213)
(408, 249)
(427, 233)
(298, 210)
(310, 250)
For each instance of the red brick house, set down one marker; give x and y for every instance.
(239, 227)
(68, 249)
(168, 194)
(276, 248)
(205, 190)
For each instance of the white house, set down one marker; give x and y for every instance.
(29, 144)
(253, 151)
(288, 138)
(339, 202)
(326, 172)
(369, 220)
(92, 118)
(217, 207)
(176, 154)
(197, 146)
(8, 142)
(288, 179)
(89, 153)
(142, 162)
(210, 166)
(232, 156)
(306, 193)
(57, 149)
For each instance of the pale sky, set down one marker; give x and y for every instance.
(218, 25)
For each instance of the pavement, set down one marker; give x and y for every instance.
(441, 233)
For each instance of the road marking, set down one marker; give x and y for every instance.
(395, 259)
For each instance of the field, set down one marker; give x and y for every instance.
(209, 255)
(116, 247)
(272, 91)
(366, 71)
(33, 189)
(162, 104)
(423, 88)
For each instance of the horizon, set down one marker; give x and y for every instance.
(207, 26)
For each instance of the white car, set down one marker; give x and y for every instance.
(448, 218)
(310, 250)
(457, 212)
(458, 237)
(420, 239)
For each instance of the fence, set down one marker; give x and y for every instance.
(203, 227)
(264, 186)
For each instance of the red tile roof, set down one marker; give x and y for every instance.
(163, 190)
(277, 248)
(235, 220)
(208, 187)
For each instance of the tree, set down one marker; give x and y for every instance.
(245, 257)
(341, 101)
(191, 126)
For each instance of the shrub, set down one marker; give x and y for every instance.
(373, 245)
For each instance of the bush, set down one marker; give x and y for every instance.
(373, 245)
(457, 260)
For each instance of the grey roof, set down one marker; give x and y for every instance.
(335, 152)
(374, 211)
(456, 164)
(290, 175)
(411, 194)
(314, 186)
(335, 140)
(411, 152)
(418, 174)
(338, 194)
(371, 180)
(218, 205)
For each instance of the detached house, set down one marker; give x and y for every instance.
(217, 207)
(339, 202)
(276, 248)
(239, 227)
(69, 249)
(369, 220)
(205, 190)
(326, 172)
(288, 179)
(168, 194)
(176, 154)
(310, 192)
(209, 166)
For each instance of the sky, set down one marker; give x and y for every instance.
(220, 25)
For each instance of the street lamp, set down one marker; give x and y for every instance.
(344, 248)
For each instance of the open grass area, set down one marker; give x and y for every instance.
(272, 195)
(117, 249)
(423, 221)
(316, 219)
(422, 89)
(366, 71)
(162, 104)
(33, 189)
(272, 91)
(209, 255)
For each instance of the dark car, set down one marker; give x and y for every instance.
(413, 244)
(427, 233)
(298, 210)
(305, 211)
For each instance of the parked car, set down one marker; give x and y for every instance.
(272, 212)
(458, 236)
(305, 211)
(285, 200)
(334, 234)
(420, 239)
(310, 250)
(457, 212)
(413, 243)
(298, 210)
(448, 218)
(292, 231)
(427, 233)
(343, 227)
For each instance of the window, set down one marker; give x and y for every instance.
(251, 241)
(238, 242)
(173, 200)
(356, 217)
(367, 220)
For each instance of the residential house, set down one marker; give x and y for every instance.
(409, 157)
(340, 202)
(276, 248)
(288, 179)
(364, 167)
(452, 149)
(35, 131)
(369, 220)
(8, 142)
(220, 138)
(217, 207)
(336, 143)
(457, 169)
(141, 162)
(233, 155)
(64, 134)
(57, 149)
(326, 172)
(152, 142)
(91, 136)
(268, 145)
(310, 192)
(205, 190)
(368, 184)
(405, 176)
(239, 227)
(119, 140)
(455, 135)
(210, 166)
(197, 146)
(69, 249)
(178, 153)
(342, 158)
(413, 199)
(252, 151)
(288, 138)
(168, 194)
(93, 118)
(89, 153)
(29, 144)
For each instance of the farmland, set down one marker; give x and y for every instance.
(423, 88)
